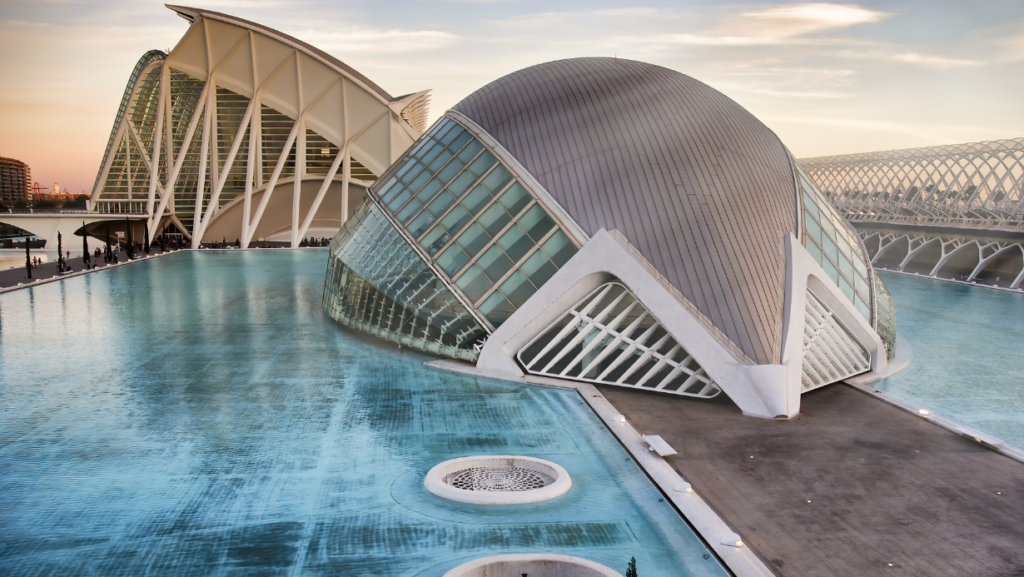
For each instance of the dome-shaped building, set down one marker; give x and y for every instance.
(614, 222)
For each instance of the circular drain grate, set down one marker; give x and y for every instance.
(497, 480)
(502, 478)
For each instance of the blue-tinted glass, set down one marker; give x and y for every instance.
(388, 189)
(831, 271)
(436, 164)
(427, 146)
(846, 268)
(497, 179)
(847, 289)
(419, 181)
(861, 286)
(456, 219)
(434, 240)
(859, 265)
(829, 248)
(451, 134)
(863, 309)
(461, 183)
(482, 164)
(403, 173)
(494, 263)
(827, 228)
(517, 289)
(419, 146)
(399, 200)
(497, 309)
(559, 248)
(442, 203)
(459, 142)
(452, 260)
(453, 168)
(431, 153)
(515, 198)
(536, 222)
(476, 199)
(515, 242)
(815, 252)
(427, 193)
(420, 224)
(470, 151)
(473, 239)
(473, 283)
(410, 209)
(538, 268)
(813, 230)
(494, 219)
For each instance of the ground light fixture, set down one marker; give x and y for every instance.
(924, 412)
(732, 540)
(683, 487)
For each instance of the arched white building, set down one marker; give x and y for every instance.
(614, 222)
(244, 132)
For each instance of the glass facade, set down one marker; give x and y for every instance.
(836, 246)
(376, 283)
(838, 249)
(474, 220)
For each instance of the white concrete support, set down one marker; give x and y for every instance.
(323, 192)
(273, 182)
(172, 176)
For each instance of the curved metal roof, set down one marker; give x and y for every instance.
(702, 188)
(191, 14)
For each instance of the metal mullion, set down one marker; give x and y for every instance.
(476, 218)
(603, 330)
(632, 349)
(445, 187)
(612, 329)
(570, 327)
(651, 351)
(494, 238)
(624, 354)
(517, 263)
(458, 200)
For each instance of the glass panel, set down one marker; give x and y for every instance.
(473, 239)
(515, 198)
(470, 151)
(456, 219)
(476, 199)
(497, 309)
(536, 222)
(481, 165)
(453, 168)
(461, 183)
(494, 219)
(420, 224)
(443, 202)
(473, 283)
(438, 162)
(428, 191)
(517, 289)
(497, 179)
(434, 240)
(459, 142)
(494, 263)
(377, 284)
(452, 260)
(559, 248)
(410, 209)
(538, 268)
(516, 243)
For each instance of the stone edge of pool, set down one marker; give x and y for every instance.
(712, 529)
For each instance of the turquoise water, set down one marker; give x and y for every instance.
(968, 353)
(196, 415)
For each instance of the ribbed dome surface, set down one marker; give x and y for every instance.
(701, 187)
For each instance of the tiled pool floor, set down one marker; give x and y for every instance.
(197, 415)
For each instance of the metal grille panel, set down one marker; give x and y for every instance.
(611, 338)
(831, 353)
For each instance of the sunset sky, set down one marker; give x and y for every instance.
(828, 78)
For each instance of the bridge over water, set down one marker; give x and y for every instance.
(953, 212)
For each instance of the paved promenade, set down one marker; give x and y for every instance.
(11, 277)
(848, 487)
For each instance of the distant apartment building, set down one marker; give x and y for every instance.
(15, 180)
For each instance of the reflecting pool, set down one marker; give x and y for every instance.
(196, 414)
(967, 345)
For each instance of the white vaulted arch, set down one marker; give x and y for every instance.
(238, 115)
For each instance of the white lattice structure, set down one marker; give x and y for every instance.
(975, 185)
(244, 132)
(990, 262)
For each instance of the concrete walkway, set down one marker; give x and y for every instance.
(848, 487)
(11, 277)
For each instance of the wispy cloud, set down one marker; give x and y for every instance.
(377, 41)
